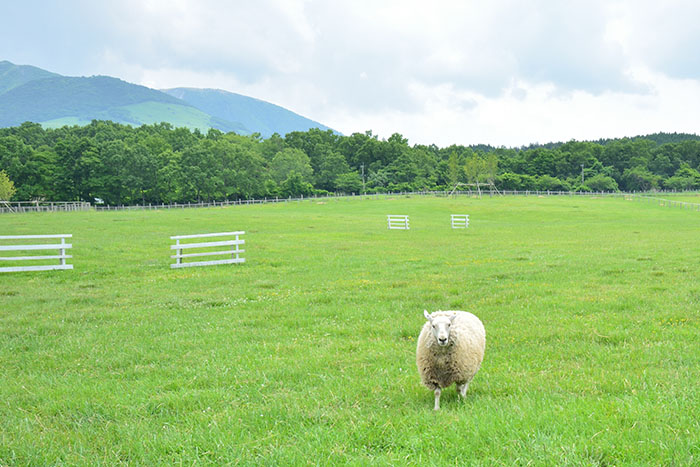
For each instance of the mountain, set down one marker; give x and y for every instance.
(265, 118)
(31, 94)
(12, 76)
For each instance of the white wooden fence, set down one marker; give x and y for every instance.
(43, 206)
(234, 251)
(61, 256)
(460, 221)
(395, 221)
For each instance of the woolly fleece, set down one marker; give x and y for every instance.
(458, 362)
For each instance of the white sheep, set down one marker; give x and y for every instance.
(450, 350)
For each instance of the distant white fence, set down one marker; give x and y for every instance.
(31, 206)
(61, 256)
(460, 221)
(395, 221)
(234, 251)
(42, 206)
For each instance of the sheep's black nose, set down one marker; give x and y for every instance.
(443, 340)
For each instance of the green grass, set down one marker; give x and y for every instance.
(305, 354)
(156, 112)
(64, 121)
(688, 197)
(145, 113)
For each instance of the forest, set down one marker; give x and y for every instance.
(122, 165)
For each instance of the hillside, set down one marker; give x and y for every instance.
(262, 117)
(12, 76)
(31, 94)
(146, 113)
(80, 100)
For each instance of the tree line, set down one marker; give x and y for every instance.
(120, 164)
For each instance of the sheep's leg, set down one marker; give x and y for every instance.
(438, 391)
(462, 388)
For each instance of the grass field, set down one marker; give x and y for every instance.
(305, 354)
(687, 197)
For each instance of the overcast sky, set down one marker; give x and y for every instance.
(506, 73)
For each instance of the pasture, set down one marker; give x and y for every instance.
(305, 354)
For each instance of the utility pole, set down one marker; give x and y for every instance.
(581, 174)
(363, 178)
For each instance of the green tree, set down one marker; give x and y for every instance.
(640, 179)
(315, 143)
(80, 165)
(201, 173)
(350, 182)
(541, 161)
(332, 166)
(112, 183)
(140, 176)
(243, 165)
(574, 154)
(294, 186)
(290, 160)
(475, 169)
(169, 177)
(685, 178)
(454, 169)
(491, 167)
(549, 183)
(7, 188)
(627, 153)
(510, 181)
(602, 182)
(271, 146)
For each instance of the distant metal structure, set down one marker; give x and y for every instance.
(4, 205)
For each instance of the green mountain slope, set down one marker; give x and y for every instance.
(84, 98)
(151, 112)
(31, 94)
(260, 116)
(12, 76)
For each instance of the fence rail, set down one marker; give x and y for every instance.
(34, 206)
(397, 222)
(460, 221)
(43, 206)
(61, 256)
(235, 250)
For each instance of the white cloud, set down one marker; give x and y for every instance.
(503, 72)
(661, 35)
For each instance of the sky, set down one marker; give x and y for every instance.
(499, 72)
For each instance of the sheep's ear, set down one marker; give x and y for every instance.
(452, 317)
(427, 316)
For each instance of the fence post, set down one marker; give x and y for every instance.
(235, 249)
(62, 252)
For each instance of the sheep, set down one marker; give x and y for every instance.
(450, 350)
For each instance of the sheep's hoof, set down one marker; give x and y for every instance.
(462, 389)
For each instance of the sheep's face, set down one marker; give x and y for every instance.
(440, 327)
